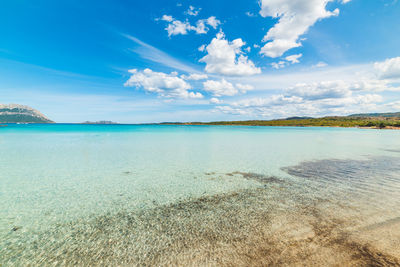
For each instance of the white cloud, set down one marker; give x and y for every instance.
(165, 85)
(195, 77)
(167, 18)
(202, 48)
(278, 65)
(215, 100)
(227, 58)
(225, 88)
(320, 65)
(220, 88)
(244, 87)
(200, 27)
(373, 85)
(393, 105)
(176, 27)
(294, 58)
(249, 14)
(322, 98)
(192, 11)
(154, 54)
(213, 22)
(388, 69)
(356, 100)
(274, 100)
(310, 92)
(286, 106)
(295, 18)
(338, 89)
(321, 90)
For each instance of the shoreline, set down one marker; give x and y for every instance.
(299, 126)
(209, 124)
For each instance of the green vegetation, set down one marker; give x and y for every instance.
(14, 113)
(385, 115)
(21, 118)
(336, 121)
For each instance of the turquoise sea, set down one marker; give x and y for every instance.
(151, 195)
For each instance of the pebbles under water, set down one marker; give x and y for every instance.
(246, 211)
(276, 224)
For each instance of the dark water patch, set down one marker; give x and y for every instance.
(254, 227)
(256, 177)
(350, 170)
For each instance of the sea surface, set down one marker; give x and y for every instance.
(170, 195)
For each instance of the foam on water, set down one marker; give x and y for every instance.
(165, 195)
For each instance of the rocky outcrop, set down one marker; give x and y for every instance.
(14, 113)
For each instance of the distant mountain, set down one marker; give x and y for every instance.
(14, 113)
(382, 115)
(298, 118)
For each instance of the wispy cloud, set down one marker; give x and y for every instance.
(154, 54)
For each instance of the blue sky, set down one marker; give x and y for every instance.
(152, 61)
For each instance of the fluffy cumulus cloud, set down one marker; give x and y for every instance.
(227, 58)
(295, 17)
(321, 90)
(220, 88)
(213, 22)
(176, 27)
(167, 18)
(225, 88)
(286, 106)
(315, 99)
(339, 89)
(165, 85)
(215, 100)
(244, 87)
(388, 69)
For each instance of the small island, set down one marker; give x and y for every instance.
(99, 122)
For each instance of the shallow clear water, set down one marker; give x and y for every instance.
(57, 175)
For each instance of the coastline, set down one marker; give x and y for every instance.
(210, 124)
(299, 126)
